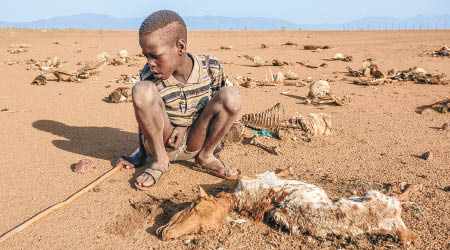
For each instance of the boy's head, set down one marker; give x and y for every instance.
(163, 39)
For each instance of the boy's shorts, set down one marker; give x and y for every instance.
(181, 154)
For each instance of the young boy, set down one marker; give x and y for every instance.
(181, 105)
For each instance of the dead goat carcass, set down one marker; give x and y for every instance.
(320, 93)
(297, 206)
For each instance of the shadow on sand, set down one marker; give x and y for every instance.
(98, 142)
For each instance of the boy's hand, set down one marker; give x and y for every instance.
(177, 137)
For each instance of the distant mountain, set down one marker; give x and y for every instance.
(97, 21)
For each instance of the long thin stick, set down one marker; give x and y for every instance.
(49, 210)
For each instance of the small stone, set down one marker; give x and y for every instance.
(284, 93)
(447, 189)
(428, 156)
(446, 126)
(82, 166)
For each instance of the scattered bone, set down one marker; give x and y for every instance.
(428, 156)
(273, 150)
(271, 120)
(123, 54)
(320, 93)
(308, 65)
(419, 75)
(276, 62)
(312, 124)
(369, 74)
(16, 50)
(440, 106)
(444, 51)
(83, 166)
(274, 122)
(291, 75)
(341, 57)
(297, 206)
(21, 45)
(226, 47)
(64, 75)
(121, 94)
(127, 79)
(289, 43)
(39, 80)
(315, 47)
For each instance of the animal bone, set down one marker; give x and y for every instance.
(273, 150)
(121, 94)
(274, 122)
(440, 106)
(21, 45)
(297, 206)
(341, 57)
(444, 51)
(312, 124)
(291, 75)
(270, 119)
(320, 93)
(315, 47)
(289, 43)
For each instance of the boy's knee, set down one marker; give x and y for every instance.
(144, 93)
(231, 99)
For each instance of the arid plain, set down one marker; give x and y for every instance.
(377, 139)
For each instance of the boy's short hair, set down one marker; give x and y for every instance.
(162, 18)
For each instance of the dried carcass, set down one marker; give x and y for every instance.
(21, 45)
(84, 72)
(341, 57)
(121, 94)
(297, 206)
(440, 106)
(273, 120)
(258, 61)
(419, 75)
(312, 124)
(320, 93)
(316, 47)
(127, 79)
(444, 51)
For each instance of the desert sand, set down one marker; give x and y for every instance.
(376, 140)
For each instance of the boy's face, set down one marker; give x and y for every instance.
(163, 58)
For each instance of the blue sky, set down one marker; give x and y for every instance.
(300, 11)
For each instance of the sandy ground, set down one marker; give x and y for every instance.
(376, 140)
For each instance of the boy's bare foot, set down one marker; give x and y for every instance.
(214, 166)
(152, 173)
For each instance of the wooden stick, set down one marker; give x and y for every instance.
(71, 198)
